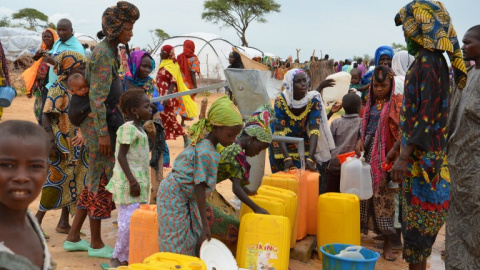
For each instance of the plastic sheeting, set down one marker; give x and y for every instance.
(19, 41)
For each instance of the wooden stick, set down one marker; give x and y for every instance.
(203, 108)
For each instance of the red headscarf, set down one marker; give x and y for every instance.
(170, 51)
(182, 59)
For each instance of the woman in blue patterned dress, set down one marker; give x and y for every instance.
(181, 199)
(300, 113)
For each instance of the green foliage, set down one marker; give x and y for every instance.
(238, 14)
(398, 47)
(31, 15)
(161, 35)
(5, 21)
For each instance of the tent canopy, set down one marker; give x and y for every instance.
(212, 52)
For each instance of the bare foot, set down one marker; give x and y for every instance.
(64, 230)
(387, 252)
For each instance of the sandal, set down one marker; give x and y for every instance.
(81, 245)
(104, 252)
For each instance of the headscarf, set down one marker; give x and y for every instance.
(67, 61)
(170, 51)
(258, 125)
(237, 60)
(222, 113)
(288, 90)
(429, 25)
(401, 61)
(182, 59)
(134, 63)
(173, 68)
(30, 74)
(115, 17)
(383, 50)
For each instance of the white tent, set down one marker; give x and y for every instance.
(19, 41)
(212, 52)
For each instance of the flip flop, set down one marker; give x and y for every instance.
(104, 252)
(81, 245)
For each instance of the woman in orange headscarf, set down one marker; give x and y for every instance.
(189, 66)
(36, 77)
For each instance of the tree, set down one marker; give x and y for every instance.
(31, 15)
(238, 14)
(398, 47)
(158, 36)
(5, 22)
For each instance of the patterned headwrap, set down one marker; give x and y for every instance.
(288, 91)
(222, 113)
(429, 25)
(258, 125)
(383, 50)
(168, 49)
(115, 17)
(67, 61)
(134, 63)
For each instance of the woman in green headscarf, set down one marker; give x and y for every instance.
(255, 137)
(181, 198)
(422, 164)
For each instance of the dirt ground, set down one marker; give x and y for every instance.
(22, 108)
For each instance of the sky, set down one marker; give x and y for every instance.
(340, 28)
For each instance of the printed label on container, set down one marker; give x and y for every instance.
(259, 255)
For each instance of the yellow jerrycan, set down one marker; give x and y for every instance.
(263, 242)
(338, 219)
(290, 198)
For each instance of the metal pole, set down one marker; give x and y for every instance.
(300, 144)
(194, 91)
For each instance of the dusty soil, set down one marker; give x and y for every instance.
(22, 108)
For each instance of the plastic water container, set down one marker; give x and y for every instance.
(292, 181)
(356, 178)
(274, 206)
(291, 202)
(143, 233)
(167, 260)
(338, 219)
(263, 242)
(343, 157)
(333, 262)
(341, 87)
(7, 94)
(312, 179)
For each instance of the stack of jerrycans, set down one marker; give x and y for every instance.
(338, 219)
(305, 185)
(263, 242)
(143, 233)
(166, 260)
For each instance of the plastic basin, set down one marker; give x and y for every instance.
(7, 93)
(332, 262)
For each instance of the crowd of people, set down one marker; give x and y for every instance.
(98, 134)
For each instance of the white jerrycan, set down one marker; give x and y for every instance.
(356, 178)
(352, 252)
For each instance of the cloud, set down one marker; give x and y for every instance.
(57, 16)
(4, 11)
